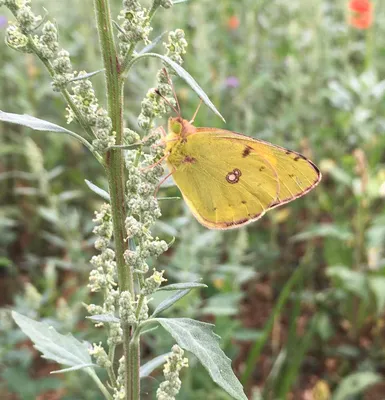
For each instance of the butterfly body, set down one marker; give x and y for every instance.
(228, 179)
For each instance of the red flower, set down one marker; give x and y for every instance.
(233, 22)
(361, 13)
(360, 6)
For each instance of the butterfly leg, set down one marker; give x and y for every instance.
(156, 163)
(162, 181)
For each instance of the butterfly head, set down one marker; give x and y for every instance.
(179, 128)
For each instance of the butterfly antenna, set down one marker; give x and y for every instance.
(173, 91)
(196, 112)
(167, 102)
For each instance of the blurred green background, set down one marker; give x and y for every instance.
(297, 297)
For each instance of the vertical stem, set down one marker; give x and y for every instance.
(134, 363)
(115, 173)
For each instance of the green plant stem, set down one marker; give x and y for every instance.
(99, 383)
(134, 367)
(110, 371)
(115, 173)
(153, 9)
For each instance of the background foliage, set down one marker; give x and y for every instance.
(298, 297)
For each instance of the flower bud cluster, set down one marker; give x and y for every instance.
(16, 39)
(45, 43)
(127, 308)
(130, 136)
(63, 70)
(157, 101)
(152, 283)
(100, 355)
(26, 19)
(105, 137)
(135, 25)
(48, 42)
(176, 46)
(86, 102)
(143, 210)
(103, 229)
(85, 99)
(172, 384)
(103, 275)
(119, 391)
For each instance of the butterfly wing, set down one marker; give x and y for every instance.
(228, 179)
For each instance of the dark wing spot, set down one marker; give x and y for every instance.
(262, 168)
(189, 160)
(237, 172)
(246, 151)
(244, 202)
(233, 176)
(291, 175)
(288, 152)
(299, 156)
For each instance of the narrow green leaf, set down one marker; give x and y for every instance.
(150, 46)
(148, 330)
(100, 192)
(152, 365)
(164, 305)
(32, 122)
(106, 318)
(199, 338)
(186, 77)
(40, 125)
(64, 349)
(60, 371)
(86, 76)
(184, 285)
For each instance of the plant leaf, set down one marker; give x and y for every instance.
(60, 371)
(64, 349)
(152, 365)
(96, 189)
(187, 78)
(107, 318)
(40, 125)
(354, 384)
(164, 305)
(86, 76)
(199, 338)
(150, 46)
(184, 285)
(32, 122)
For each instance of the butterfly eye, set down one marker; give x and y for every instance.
(175, 126)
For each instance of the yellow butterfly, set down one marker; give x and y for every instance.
(228, 179)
